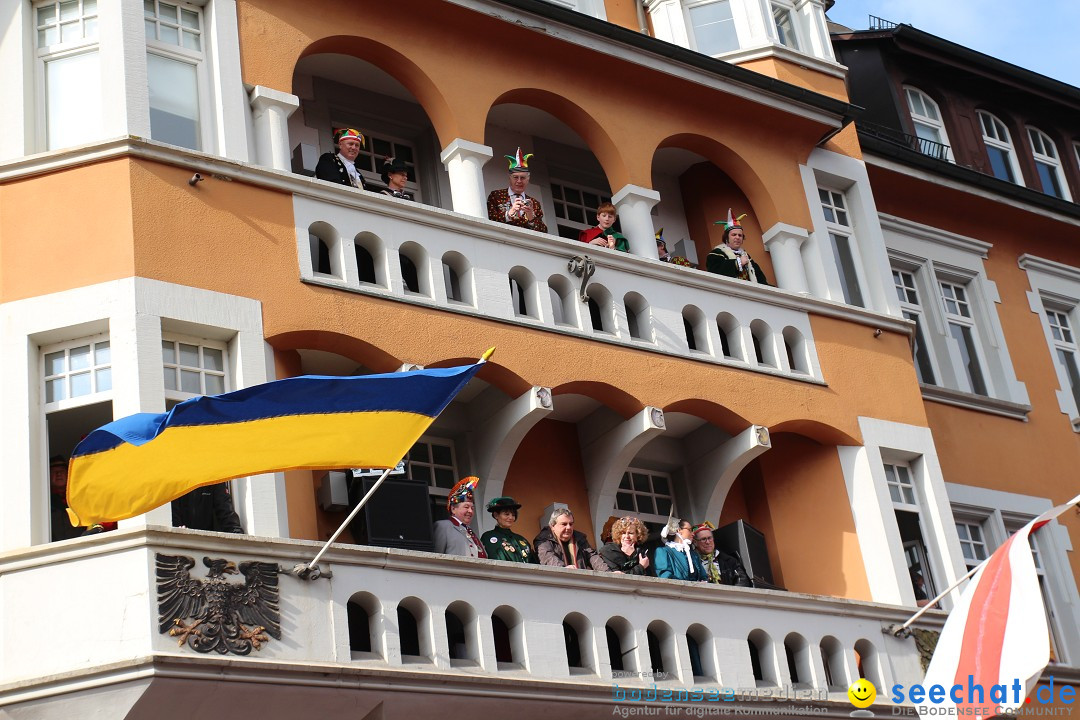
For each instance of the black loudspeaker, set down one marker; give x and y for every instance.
(398, 515)
(749, 544)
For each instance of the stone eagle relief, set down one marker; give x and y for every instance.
(226, 617)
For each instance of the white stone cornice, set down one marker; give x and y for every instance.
(941, 237)
(1033, 263)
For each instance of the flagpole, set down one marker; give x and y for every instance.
(934, 602)
(306, 571)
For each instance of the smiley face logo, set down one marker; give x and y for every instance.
(862, 693)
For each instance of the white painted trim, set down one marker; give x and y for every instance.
(1032, 263)
(971, 401)
(782, 52)
(936, 235)
(648, 60)
(872, 508)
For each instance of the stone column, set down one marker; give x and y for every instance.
(635, 205)
(270, 111)
(464, 162)
(783, 242)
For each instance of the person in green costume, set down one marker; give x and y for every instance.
(502, 543)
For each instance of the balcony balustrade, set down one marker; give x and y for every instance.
(387, 611)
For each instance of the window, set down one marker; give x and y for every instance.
(972, 543)
(376, 149)
(841, 236)
(174, 69)
(713, 27)
(999, 149)
(1065, 349)
(961, 327)
(645, 493)
(909, 305)
(786, 31)
(75, 372)
(575, 208)
(433, 461)
(906, 508)
(193, 368)
(1047, 164)
(929, 127)
(69, 72)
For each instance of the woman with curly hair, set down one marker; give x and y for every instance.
(622, 554)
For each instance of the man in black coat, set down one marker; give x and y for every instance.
(207, 508)
(720, 567)
(340, 167)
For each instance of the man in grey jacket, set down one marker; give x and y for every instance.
(560, 545)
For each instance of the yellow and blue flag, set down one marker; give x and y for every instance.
(311, 422)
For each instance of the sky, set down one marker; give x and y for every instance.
(1039, 35)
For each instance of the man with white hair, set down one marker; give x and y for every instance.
(560, 545)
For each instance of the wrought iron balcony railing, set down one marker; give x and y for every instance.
(936, 150)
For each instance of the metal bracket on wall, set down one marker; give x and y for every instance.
(583, 267)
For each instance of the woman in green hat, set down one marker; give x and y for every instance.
(502, 543)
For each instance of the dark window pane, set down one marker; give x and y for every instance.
(444, 478)
(381, 148)
(441, 455)
(999, 163)
(403, 153)
(625, 484)
(645, 504)
(422, 473)
(624, 501)
(575, 214)
(660, 486)
(641, 483)
(591, 201)
(663, 506)
(572, 196)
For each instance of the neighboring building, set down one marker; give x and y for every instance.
(161, 237)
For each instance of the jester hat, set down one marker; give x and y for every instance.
(660, 237)
(519, 162)
(702, 526)
(342, 133)
(731, 222)
(462, 491)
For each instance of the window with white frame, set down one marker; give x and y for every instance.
(960, 323)
(712, 27)
(929, 127)
(575, 208)
(972, 543)
(76, 372)
(645, 493)
(783, 14)
(905, 501)
(957, 315)
(68, 72)
(999, 149)
(433, 461)
(841, 237)
(1048, 165)
(176, 73)
(374, 152)
(193, 367)
(908, 294)
(1065, 347)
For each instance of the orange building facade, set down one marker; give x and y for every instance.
(170, 241)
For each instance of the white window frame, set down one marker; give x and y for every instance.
(846, 231)
(787, 7)
(557, 190)
(1005, 144)
(201, 60)
(1044, 151)
(92, 398)
(55, 52)
(934, 256)
(593, 8)
(958, 308)
(737, 19)
(1055, 286)
(912, 309)
(431, 440)
(1002, 514)
(659, 518)
(178, 395)
(937, 124)
(972, 535)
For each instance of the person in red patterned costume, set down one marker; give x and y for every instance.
(512, 206)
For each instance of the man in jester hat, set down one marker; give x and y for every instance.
(729, 258)
(512, 206)
(502, 543)
(340, 167)
(454, 536)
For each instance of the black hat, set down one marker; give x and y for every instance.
(502, 503)
(392, 165)
(58, 460)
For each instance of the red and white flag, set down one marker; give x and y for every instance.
(997, 633)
